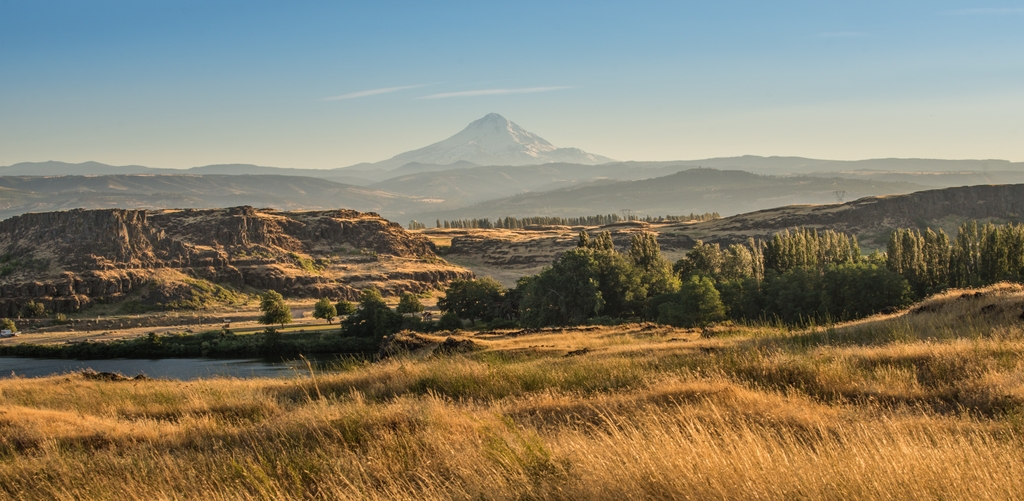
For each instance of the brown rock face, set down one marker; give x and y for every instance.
(69, 259)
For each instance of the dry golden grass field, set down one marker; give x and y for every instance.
(924, 404)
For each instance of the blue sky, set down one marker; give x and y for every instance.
(329, 84)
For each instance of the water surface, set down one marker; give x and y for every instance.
(167, 368)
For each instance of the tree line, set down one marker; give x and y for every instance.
(797, 277)
(981, 254)
(597, 220)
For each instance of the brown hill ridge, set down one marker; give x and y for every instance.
(66, 260)
(872, 218)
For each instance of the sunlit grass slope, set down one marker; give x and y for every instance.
(925, 404)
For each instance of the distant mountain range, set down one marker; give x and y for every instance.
(491, 168)
(694, 190)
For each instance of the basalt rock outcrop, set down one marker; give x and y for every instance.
(67, 260)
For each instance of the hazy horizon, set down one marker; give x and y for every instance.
(322, 85)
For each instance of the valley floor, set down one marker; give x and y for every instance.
(923, 404)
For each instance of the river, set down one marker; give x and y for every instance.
(184, 369)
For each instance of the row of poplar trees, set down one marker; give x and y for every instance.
(598, 220)
(981, 254)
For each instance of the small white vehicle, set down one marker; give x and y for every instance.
(7, 333)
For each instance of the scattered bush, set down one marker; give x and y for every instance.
(33, 309)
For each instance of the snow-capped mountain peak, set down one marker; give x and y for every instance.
(493, 140)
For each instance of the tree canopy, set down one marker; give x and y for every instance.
(472, 299)
(373, 318)
(274, 310)
(324, 310)
(409, 303)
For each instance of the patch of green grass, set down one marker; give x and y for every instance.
(310, 265)
(199, 294)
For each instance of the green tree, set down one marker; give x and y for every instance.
(8, 324)
(344, 308)
(409, 303)
(851, 291)
(621, 284)
(703, 259)
(737, 263)
(656, 271)
(698, 304)
(566, 293)
(603, 241)
(373, 318)
(743, 297)
(274, 310)
(323, 309)
(472, 299)
(794, 296)
(583, 240)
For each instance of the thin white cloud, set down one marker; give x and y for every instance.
(493, 92)
(373, 92)
(841, 34)
(989, 11)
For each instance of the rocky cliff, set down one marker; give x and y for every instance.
(66, 260)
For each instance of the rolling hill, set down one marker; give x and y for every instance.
(694, 190)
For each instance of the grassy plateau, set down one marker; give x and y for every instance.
(923, 404)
